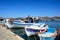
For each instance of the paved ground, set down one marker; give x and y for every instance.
(6, 34)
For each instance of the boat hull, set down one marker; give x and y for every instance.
(17, 25)
(34, 29)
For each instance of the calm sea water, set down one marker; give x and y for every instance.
(21, 32)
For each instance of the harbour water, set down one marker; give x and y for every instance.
(21, 32)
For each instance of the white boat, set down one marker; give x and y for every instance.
(49, 35)
(34, 29)
(16, 24)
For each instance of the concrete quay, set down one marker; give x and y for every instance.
(6, 34)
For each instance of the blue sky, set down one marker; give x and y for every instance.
(22, 8)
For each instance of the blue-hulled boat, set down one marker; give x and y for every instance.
(49, 35)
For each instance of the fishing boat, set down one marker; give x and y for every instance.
(34, 29)
(16, 23)
(49, 35)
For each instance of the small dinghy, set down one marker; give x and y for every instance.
(49, 35)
